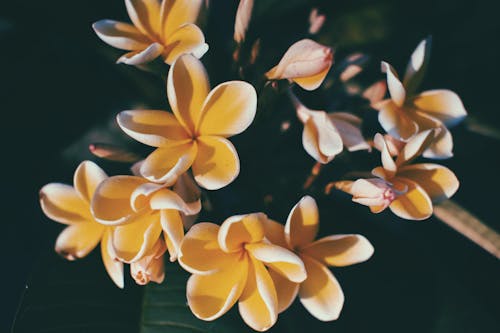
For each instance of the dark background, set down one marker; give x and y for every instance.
(58, 83)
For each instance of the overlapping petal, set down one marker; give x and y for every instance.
(139, 57)
(258, 304)
(200, 252)
(279, 259)
(349, 129)
(76, 241)
(396, 88)
(395, 121)
(210, 296)
(121, 35)
(187, 88)
(86, 179)
(175, 13)
(302, 224)
(63, 204)
(186, 39)
(145, 14)
(152, 127)
(415, 204)
(132, 241)
(217, 163)
(238, 230)
(286, 290)
(339, 250)
(439, 182)
(168, 162)
(320, 293)
(111, 202)
(173, 229)
(113, 266)
(321, 138)
(229, 109)
(442, 104)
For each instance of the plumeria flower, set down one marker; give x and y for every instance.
(409, 190)
(320, 293)
(140, 211)
(228, 266)
(195, 135)
(71, 206)
(306, 63)
(326, 134)
(406, 113)
(151, 267)
(160, 28)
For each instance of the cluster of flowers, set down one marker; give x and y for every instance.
(250, 259)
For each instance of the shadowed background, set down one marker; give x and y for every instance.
(59, 83)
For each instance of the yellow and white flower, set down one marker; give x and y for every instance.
(160, 28)
(228, 266)
(320, 293)
(195, 135)
(405, 113)
(71, 206)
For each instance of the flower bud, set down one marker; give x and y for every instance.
(306, 63)
(151, 266)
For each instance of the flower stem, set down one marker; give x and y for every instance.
(468, 225)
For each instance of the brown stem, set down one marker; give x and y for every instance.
(468, 225)
(316, 169)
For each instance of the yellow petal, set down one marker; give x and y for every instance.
(417, 65)
(76, 241)
(167, 163)
(217, 163)
(186, 188)
(415, 147)
(200, 252)
(86, 179)
(258, 304)
(442, 145)
(415, 204)
(279, 259)
(63, 204)
(320, 293)
(439, 182)
(339, 250)
(275, 232)
(302, 223)
(321, 138)
(134, 240)
(349, 128)
(167, 199)
(396, 89)
(140, 57)
(444, 105)
(188, 38)
(313, 82)
(145, 14)
(120, 35)
(111, 204)
(395, 121)
(171, 223)
(390, 167)
(175, 13)
(151, 127)
(112, 265)
(286, 290)
(229, 109)
(210, 296)
(187, 88)
(238, 230)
